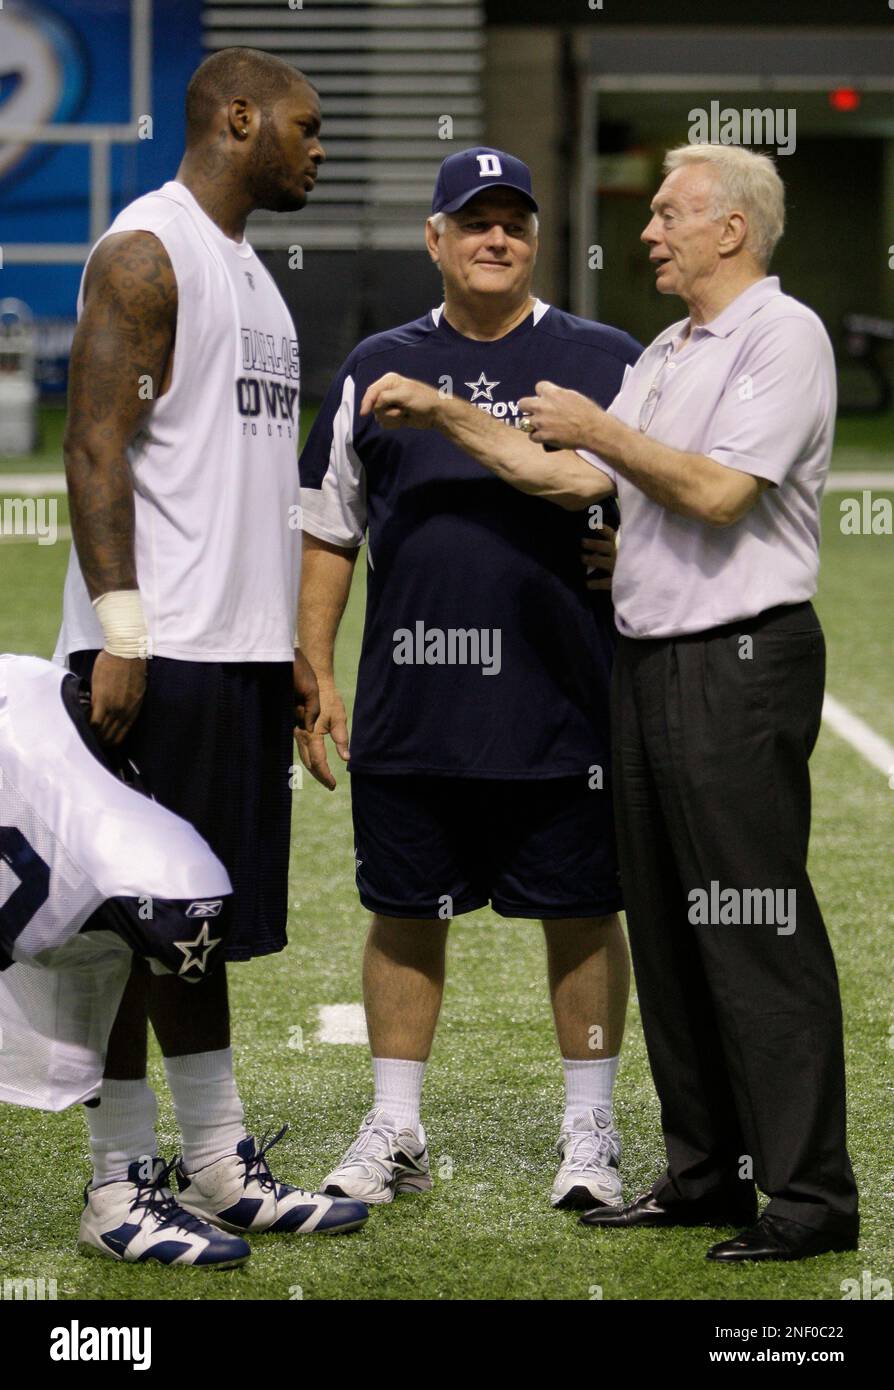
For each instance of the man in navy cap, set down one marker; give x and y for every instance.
(480, 752)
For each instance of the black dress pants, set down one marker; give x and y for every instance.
(737, 985)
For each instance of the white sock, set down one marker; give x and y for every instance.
(399, 1089)
(588, 1086)
(207, 1105)
(122, 1128)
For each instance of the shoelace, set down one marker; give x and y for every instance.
(257, 1169)
(586, 1147)
(375, 1134)
(156, 1198)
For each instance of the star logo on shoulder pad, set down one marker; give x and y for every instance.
(196, 952)
(481, 387)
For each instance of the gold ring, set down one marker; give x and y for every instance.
(526, 424)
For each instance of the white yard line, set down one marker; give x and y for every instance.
(342, 1023)
(877, 751)
(31, 484)
(856, 482)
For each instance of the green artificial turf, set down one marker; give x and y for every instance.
(493, 1093)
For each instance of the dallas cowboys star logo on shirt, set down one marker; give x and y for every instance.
(196, 952)
(481, 387)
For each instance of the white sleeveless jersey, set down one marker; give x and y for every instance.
(72, 835)
(216, 491)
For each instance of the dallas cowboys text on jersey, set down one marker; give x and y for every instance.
(461, 566)
(275, 402)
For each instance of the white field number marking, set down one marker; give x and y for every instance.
(342, 1023)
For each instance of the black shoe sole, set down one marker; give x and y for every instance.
(782, 1256)
(663, 1223)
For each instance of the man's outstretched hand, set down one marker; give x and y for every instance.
(399, 403)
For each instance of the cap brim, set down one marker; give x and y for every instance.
(460, 202)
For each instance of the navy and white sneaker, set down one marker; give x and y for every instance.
(139, 1220)
(588, 1174)
(239, 1193)
(381, 1162)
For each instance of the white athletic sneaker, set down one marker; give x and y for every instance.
(139, 1220)
(381, 1162)
(239, 1193)
(588, 1173)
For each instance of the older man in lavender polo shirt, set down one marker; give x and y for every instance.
(718, 445)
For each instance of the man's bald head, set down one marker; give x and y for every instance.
(236, 72)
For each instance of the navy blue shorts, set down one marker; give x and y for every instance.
(213, 741)
(440, 846)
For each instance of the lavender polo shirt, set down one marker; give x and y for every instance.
(755, 389)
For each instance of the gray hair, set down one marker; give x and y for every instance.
(439, 222)
(746, 181)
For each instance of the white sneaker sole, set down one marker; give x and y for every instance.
(412, 1182)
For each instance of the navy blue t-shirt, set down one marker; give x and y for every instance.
(484, 654)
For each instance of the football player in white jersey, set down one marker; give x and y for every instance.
(180, 601)
(93, 870)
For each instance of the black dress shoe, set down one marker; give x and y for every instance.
(716, 1209)
(775, 1238)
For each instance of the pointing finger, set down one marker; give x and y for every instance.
(372, 393)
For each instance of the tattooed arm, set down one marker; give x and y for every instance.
(120, 363)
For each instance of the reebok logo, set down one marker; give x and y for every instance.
(205, 909)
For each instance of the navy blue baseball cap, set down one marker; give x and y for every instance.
(463, 175)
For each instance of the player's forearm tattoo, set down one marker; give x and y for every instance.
(102, 525)
(121, 350)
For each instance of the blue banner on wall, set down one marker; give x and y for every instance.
(70, 61)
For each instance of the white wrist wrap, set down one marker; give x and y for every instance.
(123, 623)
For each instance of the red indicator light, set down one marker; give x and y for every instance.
(844, 99)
